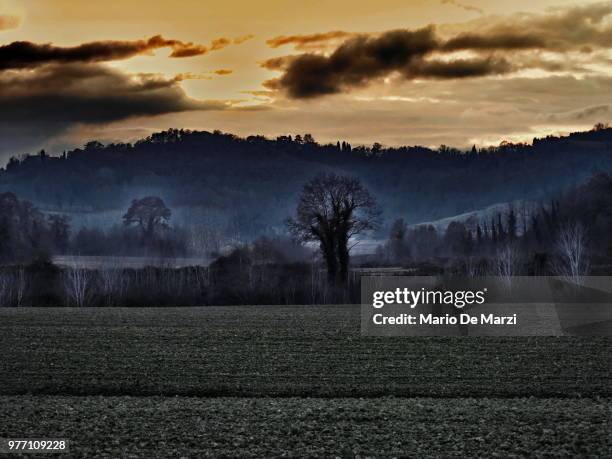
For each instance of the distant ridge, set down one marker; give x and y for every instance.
(250, 184)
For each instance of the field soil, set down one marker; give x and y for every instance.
(267, 381)
(313, 427)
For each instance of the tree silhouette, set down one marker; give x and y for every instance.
(331, 210)
(150, 214)
(511, 223)
(24, 234)
(398, 240)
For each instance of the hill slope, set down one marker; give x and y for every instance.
(250, 184)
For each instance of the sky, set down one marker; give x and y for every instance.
(397, 72)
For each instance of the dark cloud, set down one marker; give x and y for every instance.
(52, 98)
(354, 63)
(500, 45)
(9, 22)
(458, 68)
(362, 59)
(25, 54)
(46, 89)
(190, 50)
(310, 41)
(90, 94)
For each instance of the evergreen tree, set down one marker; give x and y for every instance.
(501, 234)
(511, 224)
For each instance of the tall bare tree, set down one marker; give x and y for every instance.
(507, 263)
(332, 210)
(571, 249)
(78, 283)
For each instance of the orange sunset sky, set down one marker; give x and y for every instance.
(396, 72)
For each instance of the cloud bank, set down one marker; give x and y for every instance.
(47, 89)
(494, 48)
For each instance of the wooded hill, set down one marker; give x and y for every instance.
(253, 182)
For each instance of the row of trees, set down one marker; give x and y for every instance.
(27, 234)
(332, 212)
(145, 231)
(562, 237)
(268, 271)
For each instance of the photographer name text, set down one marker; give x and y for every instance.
(413, 298)
(447, 319)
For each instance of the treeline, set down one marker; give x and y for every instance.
(27, 234)
(265, 272)
(571, 234)
(252, 182)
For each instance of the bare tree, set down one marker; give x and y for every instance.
(332, 210)
(20, 285)
(114, 283)
(77, 285)
(202, 278)
(572, 259)
(6, 280)
(315, 280)
(472, 267)
(507, 263)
